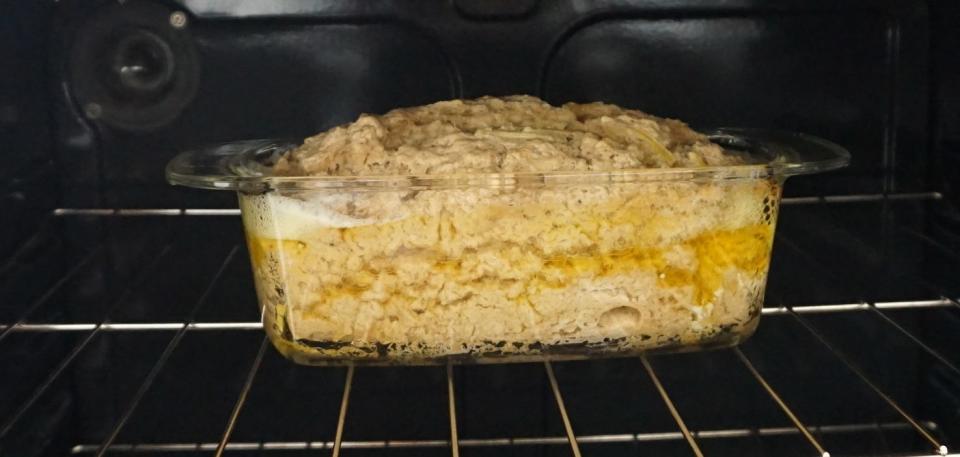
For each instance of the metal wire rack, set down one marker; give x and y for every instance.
(906, 419)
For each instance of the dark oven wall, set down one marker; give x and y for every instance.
(856, 72)
(107, 91)
(28, 187)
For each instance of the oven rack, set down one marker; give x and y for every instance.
(787, 201)
(924, 428)
(927, 432)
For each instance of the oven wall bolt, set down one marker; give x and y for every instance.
(178, 19)
(93, 110)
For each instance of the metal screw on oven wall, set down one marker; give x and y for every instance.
(93, 110)
(178, 19)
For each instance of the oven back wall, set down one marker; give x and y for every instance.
(112, 90)
(143, 80)
(28, 188)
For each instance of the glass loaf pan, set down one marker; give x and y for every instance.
(509, 267)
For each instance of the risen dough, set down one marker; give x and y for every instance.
(413, 274)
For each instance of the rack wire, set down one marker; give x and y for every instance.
(787, 201)
(925, 429)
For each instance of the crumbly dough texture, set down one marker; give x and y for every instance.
(494, 135)
(402, 275)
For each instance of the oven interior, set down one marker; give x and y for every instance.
(128, 321)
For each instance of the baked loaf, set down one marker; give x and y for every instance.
(597, 266)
